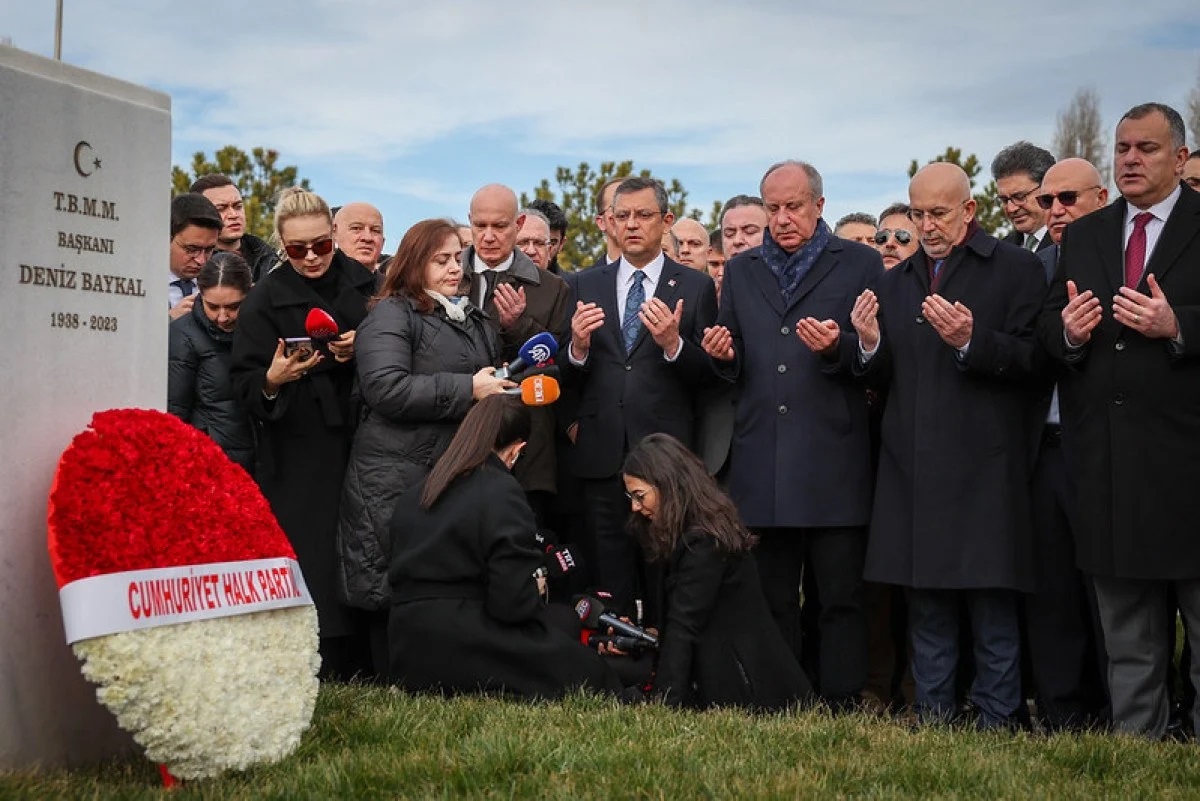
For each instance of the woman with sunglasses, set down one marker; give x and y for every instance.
(200, 353)
(719, 644)
(425, 356)
(301, 401)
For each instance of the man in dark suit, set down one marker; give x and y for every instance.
(800, 465)
(521, 300)
(635, 355)
(1018, 171)
(1065, 648)
(1124, 315)
(948, 334)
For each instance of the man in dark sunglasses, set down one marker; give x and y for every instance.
(1062, 639)
(896, 238)
(1018, 170)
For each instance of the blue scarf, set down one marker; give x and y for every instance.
(790, 268)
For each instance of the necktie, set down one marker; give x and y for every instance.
(935, 272)
(489, 287)
(186, 285)
(1135, 251)
(630, 324)
(1031, 242)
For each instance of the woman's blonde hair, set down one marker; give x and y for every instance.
(296, 201)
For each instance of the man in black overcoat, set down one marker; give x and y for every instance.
(800, 463)
(948, 334)
(1124, 316)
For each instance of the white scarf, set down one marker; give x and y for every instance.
(453, 310)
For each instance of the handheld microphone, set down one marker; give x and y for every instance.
(319, 325)
(593, 615)
(627, 644)
(538, 349)
(537, 390)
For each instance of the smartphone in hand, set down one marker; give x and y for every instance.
(301, 345)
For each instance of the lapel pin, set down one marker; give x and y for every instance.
(671, 282)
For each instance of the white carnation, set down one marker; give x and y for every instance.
(211, 695)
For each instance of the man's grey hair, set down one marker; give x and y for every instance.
(737, 202)
(537, 214)
(857, 217)
(1022, 157)
(640, 183)
(815, 184)
(1178, 132)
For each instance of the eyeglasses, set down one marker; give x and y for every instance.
(193, 251)
(902, 237)
(642, 215)
(1194, 183)
(1067, 198)
(1016, 197)
(937, 215)
(637, 496)
(537, 243)
(322, 247)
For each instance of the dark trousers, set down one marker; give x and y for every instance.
(996, 688)
(835, 557)
(1062, 625)
(609, 548)
(1136, 614)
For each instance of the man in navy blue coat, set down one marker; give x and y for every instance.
(800, 467)
(635, 357)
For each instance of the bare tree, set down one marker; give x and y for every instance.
(1079, 133)
(1193, 112)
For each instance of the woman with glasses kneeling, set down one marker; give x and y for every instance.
(719, 644)
(468, 611)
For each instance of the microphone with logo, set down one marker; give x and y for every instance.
(537, 350)
(320, 326)
(593, 615)
(537, 390)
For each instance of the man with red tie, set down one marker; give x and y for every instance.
(1127, 323)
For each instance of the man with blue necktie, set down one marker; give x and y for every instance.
(635, 357)
(195, 226)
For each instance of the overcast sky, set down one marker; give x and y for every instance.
(412, 106)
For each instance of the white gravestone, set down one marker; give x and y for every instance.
(84, 221)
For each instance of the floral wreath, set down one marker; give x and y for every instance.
(181, 595)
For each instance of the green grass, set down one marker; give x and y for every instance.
(377, 743)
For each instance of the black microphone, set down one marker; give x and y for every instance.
(627, 644)
(593, 615)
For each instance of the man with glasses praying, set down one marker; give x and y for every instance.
(1018, 171)
(195, 226)
(635, 357)
(896, 238)
(948, 334)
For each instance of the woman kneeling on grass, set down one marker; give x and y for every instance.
(719, 644)
(468, 610)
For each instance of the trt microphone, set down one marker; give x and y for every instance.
(538, 349)
(593, 615)
(537, 390)
(319, 325)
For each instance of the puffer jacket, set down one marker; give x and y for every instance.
(414, 373)
(198, 387)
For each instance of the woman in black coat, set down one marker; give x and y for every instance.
(468, 611)
(302, 403)
(200, 351)
(424, 357)
(719, 644)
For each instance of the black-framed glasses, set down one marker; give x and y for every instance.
(1016, 197)
(902, 237)
(193, 251)
(322, 247)
(1067, 198)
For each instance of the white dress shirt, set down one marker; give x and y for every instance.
(481, 267)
